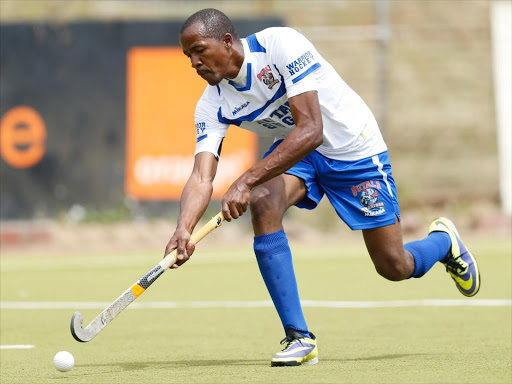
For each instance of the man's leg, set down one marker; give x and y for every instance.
(363, 193)
(269, 201)
(396, 261)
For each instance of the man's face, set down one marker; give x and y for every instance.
(209, 57)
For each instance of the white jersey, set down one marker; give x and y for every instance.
(280, 63)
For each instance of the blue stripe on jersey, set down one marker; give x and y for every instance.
(253, 115)
(247, 84)
(311, 69)
(202, 138)
(218, 89)
(277, 69)
(254, 44)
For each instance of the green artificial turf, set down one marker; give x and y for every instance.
(234, 345)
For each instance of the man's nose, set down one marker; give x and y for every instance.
(195, 61)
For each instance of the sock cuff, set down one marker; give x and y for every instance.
(420, 259)
(271, 243)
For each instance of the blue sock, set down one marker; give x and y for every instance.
(428, 251)
(276, 267)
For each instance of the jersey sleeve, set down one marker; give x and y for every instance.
(210, 132)
(296, 59)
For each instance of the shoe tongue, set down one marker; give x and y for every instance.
(292, 334)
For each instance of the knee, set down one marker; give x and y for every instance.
(264, 206)
(392, 267)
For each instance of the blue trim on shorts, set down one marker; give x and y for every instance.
(363, 192)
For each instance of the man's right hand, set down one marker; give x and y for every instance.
(180, 241)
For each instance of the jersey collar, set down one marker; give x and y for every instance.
(242, 82)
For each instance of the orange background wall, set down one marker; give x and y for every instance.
(162, 92)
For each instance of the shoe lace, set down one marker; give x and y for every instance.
(456, 264)
(288, 341)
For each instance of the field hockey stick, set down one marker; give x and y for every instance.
(114, 309)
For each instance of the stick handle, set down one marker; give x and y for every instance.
(215, 222)
(127, 297)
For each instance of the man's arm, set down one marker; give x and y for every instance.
(305, 137)
(194, 199)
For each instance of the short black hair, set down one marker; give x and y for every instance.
(215, 23)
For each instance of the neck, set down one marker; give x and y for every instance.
(237, 59)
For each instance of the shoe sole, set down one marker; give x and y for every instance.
(293, 363)
(311, 362)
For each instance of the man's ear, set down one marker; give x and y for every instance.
(227, 39)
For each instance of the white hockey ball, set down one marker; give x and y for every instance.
(63, 361)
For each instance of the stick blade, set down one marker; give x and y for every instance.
(77, 331)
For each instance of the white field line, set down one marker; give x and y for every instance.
(17, 346)
(258, 304)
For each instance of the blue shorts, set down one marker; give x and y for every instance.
(362, 192)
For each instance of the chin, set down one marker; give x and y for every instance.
(213, 82)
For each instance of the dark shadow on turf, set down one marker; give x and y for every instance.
(381, 357)
(218, 363)
(179, 363)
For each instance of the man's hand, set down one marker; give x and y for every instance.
(301, 141)
(236, 200)
(180, 241)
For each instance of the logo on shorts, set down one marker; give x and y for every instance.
(369, 197)
(267, 77)
(368, 193)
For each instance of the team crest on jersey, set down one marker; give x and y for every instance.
(368, 192)
(267, 77)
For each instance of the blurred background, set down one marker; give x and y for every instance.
(97, 101)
